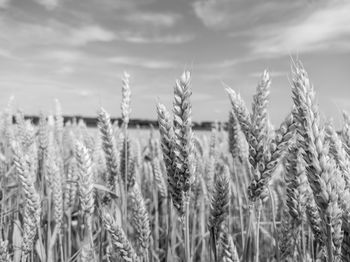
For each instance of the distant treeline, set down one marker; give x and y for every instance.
(134, 123)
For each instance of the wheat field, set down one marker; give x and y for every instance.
(245, 191)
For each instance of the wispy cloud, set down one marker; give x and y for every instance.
(213, 13)
(117, 4)
(65, 70)
(16, 34)
(245, 15)
(141, 38)
(16, 82)
(153, 19)
(65, 56)
(325, 28)
(93, 33)
(57, 33)
(341, 103)
(142, 62)
(4, 3)
(226, 63)
(48, 4)
(273, 74)
(5, 53)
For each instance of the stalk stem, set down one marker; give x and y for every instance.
(239, 203)
(125, 173)
(257, 231)
(274, 226)
(329, 242)
(187, 231)
(168, 240)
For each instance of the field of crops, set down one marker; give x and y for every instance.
(245, 191)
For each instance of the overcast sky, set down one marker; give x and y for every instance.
(77, 50)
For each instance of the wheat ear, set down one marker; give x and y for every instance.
(167, 144)
(85, 178)
(241, 110)
(140, 220)
(259, 121)
(322, 174)
(277, 150)
(32, 207)
(110, 151)
(118, 238)
(126, 99)
(219, 205)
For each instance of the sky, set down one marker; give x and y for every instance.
(77, 50)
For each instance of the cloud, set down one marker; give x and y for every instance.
(142, 62)
(16, 34)
(226, 63)
(65, 70)
(85, 93)
(4, 3)
(140, 38)
(326, 28)
(17, 82)
(5, 53)
(244, 14)
(52, 33)
(154, 19)
(113, 5)
(63, 61)
(48, 4)
(64, 56)
(274, 74)
(93, 33)
(213, 13)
